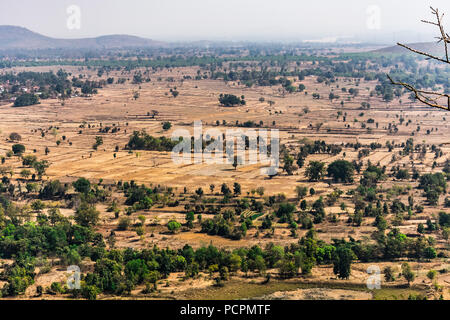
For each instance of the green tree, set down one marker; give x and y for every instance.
(18, 149)
(166, 125)
(236, 189)
(315, 171)
(86, 215)
(407, 273)
(82, 185)
(342, 262)
(173, 226)
(341, 170)
(301, 192)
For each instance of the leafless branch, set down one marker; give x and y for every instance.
(430, 98)
(421, 95)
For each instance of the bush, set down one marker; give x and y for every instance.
(89, 292)
(124, 223)
(173, 226)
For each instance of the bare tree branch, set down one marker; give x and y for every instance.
(420, 95)
(430, 98)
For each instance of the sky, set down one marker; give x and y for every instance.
(252, 20)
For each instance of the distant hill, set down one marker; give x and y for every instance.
(434, 48)
(13, 37)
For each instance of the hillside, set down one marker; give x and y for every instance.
(429, 47)
(12, 37)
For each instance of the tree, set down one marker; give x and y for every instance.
(18, 149)
(166, 125)
(199, 192)
(86, 215)
(431, 274)
(173, 226)
(25, 173)
(444, 219)
(341, 170)
(403, 174)
(301, 87)
(14, 136)
(40, 167)
(407, 273)
(342, 261)
(236, 161)
(388, 274)
(225, 190)
(89, 292)
(51, 189)
(37, 205)
(190, 219)
(29, 160)
(301, 192)
(315, 171)
(236, 189)
(98, 142)
(440, 100)
(420, 228)
(260, 191)
(288, 164)
(286, 268)
(82, 185)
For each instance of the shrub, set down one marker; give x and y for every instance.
(124, 223)
(173, 226)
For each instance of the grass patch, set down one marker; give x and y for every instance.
(395, 293)
(236, 290)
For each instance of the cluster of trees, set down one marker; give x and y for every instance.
(120, 271)
(316, 147)
(49, 85)
(140, 140)
(433, 185)
(223, 225)
(26, 99)
(230, 100)
(339, 171)
(52, 236)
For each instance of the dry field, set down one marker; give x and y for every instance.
(115, 106)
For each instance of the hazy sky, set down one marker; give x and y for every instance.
(226, 19)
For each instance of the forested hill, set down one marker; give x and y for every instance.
(13, 37)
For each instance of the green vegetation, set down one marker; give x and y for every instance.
(26, 99)
(230, 100)
(140, 140)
